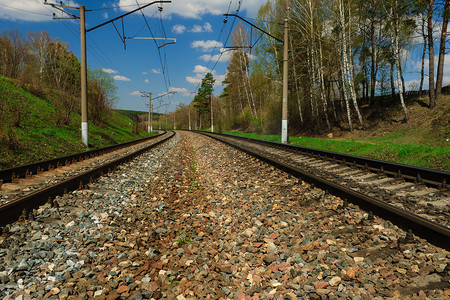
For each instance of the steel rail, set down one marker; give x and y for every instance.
(11, 211)
(411, 173)
(433, 232)
(7, 175)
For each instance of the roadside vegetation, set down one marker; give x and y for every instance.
(40, 102)
(424, 141)
(30, 129)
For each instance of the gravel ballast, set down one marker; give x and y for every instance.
(195, 219)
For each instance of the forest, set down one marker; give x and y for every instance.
(346, 63)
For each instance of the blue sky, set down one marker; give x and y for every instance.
(197, 26)
(200, 36)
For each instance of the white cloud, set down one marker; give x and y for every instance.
(146, 81)
(194, 9)
(156, 71)
(194, 80)
(199, 28)
(178, 29)
(121, 78)
(207, 27)
(201, 69)
(136, 93)
(200, 72)
(182, 91)
(110, 71)
(144, 73)
(28, 10)
(225, 57)
(206, 45)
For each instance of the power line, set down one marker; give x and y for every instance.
(27, 11)
(159, 52)
(114, 7)
(215, 46)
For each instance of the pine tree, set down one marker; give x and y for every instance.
(201, 100)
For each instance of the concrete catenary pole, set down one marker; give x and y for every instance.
(189, 110)
(84, 102)
(284, 115)
(150, 121)
(211, 109)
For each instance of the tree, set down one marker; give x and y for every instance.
(40, 42)
(102, 92)
(440, 69)
(13, 50)
(202, 98)
(396, 53)
(431, 88)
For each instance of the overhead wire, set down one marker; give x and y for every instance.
(113, 7)
(215, 46)
(165, 53)
(159, 52)
(24, 10)
(101, 57)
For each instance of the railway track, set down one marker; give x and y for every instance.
(25, 188)
(194, 218)
(415, 199)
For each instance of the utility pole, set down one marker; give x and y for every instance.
(83, 71)
(284, 114)
(150, 117)
(211, 109)
(84, 102)
(189, 111)
(150, 107)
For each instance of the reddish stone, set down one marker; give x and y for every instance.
(257, 279)
(422, 295)
(240, 296)
(350, 273)
(153, 286)
(283, 266)
(321, 285)
(384, 272)
(123, 289)
(307, 247)
(212, 252)
(156, 265)
(274, 236)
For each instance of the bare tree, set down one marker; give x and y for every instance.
(431, 93)
(394, 41)
(40, 42)
(440, 68)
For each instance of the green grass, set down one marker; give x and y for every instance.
(383, 148)
(39, 138)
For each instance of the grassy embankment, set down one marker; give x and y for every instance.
(424, 141)
(30, 132)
